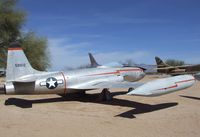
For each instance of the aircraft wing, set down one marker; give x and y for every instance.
(106, 84)
(152, 88)
(186, 66)
(176, 67)
(184, 73)
(165, 68)
(181, 73)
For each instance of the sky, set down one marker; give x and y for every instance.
(115, 30)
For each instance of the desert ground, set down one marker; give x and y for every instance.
(172, 115)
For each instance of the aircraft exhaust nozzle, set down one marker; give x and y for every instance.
(164, 86)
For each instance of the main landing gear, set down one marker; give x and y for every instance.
(105, 95)
(130, 89)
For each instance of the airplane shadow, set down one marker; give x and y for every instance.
(138, 108)
(190, 97)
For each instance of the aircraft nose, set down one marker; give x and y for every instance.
(142, 74)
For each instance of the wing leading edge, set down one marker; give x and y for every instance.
(106, 84)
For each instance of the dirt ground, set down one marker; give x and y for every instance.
(172, 115)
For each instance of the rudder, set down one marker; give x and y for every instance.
(160, 63)
(93, 62)
(17, 63)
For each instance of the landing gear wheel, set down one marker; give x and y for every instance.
(105, 95)
(130, 89)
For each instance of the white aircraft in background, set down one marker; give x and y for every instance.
(94, 63)
(21, 78)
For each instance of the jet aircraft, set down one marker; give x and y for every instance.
(21, 78)
(95, 64)
(176, 70)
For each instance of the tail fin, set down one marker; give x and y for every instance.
(17, 63)
(160, 63)
(93, 61)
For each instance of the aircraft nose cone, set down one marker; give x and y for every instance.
(142, 74)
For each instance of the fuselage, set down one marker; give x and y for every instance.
(67, 82)
(103, 74)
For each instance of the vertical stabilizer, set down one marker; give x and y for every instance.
(17, 63)
(160, 63)
(93, 62)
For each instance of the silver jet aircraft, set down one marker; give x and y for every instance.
(21, 78)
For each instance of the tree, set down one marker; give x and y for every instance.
(173, 62)
(128, 62)
(36, 51)
(79, 67)
(11, 22)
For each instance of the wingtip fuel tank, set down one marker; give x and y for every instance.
(164, 86)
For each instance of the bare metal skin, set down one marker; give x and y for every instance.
(21, 78)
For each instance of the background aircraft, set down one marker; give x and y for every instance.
(94, 63)
(21, 78)
(176, 70)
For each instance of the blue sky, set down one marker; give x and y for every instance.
(116, 30)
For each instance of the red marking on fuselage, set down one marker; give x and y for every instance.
(176, 84)
(14, 48)
(127, 70)
(117, 72)
(185, 81)
(65, 81)
(107, 73)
